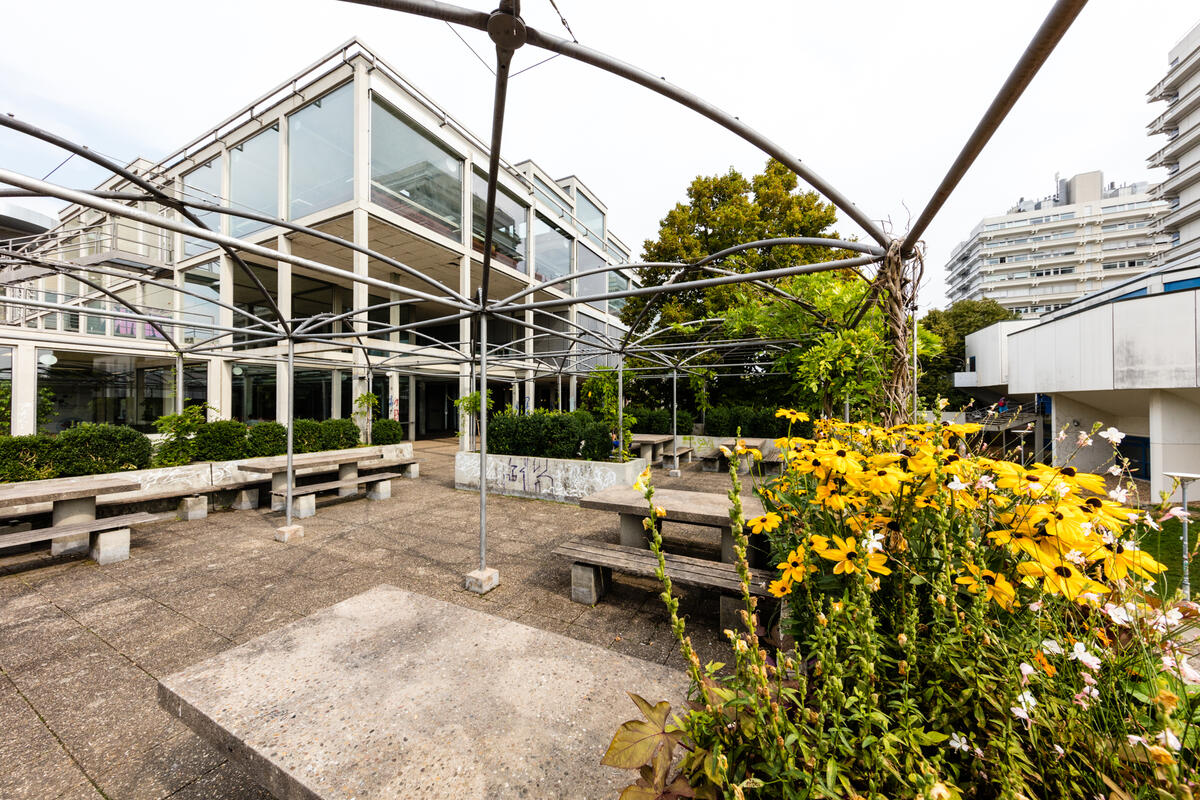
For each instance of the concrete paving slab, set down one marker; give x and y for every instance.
(393, 694)
(161, 770)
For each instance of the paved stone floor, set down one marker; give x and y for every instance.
(81, 646)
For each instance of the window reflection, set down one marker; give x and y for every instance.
(254, 180)
(552, 247)
(590, 284)
(508, 226)
(321, 153)
(590, 217)
(412, 175)
(203, 185)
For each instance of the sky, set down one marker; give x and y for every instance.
(876, 96)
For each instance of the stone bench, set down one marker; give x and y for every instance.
(682, 451)
(409, 467)
(304, 501)
(593, 563)
(104, 540)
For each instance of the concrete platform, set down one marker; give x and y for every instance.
(395, 694)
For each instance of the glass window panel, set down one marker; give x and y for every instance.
(70, 320)
(552, 247)
(50, 320)
(203, 184)
(591, 217)
(590, 284)
(201, 311)
(249, 298)
(6, 391)
(113, 388)
(508, 227)
(378, 317)
(312, 296)
(125, 327)
(551, 198)
(254, 179)
(617, 283)
(413, 175)
(314, 394)
(253, 397)
(321, 153)
(156, 302)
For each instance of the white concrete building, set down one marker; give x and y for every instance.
(1180, 155)
(347, 146)
(1043, 254)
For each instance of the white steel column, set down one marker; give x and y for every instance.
(24, 389)
(284, 278)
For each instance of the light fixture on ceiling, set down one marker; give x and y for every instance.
(47, 359)
(238, 370)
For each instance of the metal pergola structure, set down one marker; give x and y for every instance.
(892, 266)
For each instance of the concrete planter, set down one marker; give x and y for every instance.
(562, 479)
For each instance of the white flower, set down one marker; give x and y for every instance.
(1083, 439)
(1080, 653)
(873, 543)
(1167, 738)
(1076, 557)
(1086, 527)
(985, 482)
(1119, 494)
(1178, 512)
(1060, 751)
(1118, 614)
(1035, 606)
(958, 742)
(1063, 490)
(1091, 598)
(1025, 704)
(1026, 671)
(1061, 437)
(1115, 469)
(956, 485)
(1149, 520)
(1052, 647)
(1085, 696)
(1135, 739)
(1113, 435)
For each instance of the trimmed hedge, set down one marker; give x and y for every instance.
(307, 436)
(26, 458)
(266, 439)
(339, 434)
(222, 440)
(94, 449)
(549, 434)
(759, 422)
(658, 420)
(387, 431)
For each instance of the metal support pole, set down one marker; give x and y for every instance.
(621, 406)
(560, 390)
(483, 394)
(914, 368)
(846, 410)
(674, 418)
(1186, 583)
(291, 418)
(179, 383)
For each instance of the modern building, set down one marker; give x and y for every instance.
(348, 147)
(1044, 254)
(1180, 156)
(17, 221)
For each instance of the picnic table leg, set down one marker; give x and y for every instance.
(756, 555)
(347, 472)
(82, 509)
(633, 534)
(646, 451)
(278, 490)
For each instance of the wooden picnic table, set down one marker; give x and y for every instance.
(651, 445)
(347, 463)
(710, 509)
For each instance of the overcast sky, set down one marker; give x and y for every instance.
(877, 97)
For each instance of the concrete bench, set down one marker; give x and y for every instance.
(304, 501)
(409, 467)
(593, 563)
(104, 540)
(682, 451)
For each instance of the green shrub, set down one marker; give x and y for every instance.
(387, 431)
(307, 436)
(549, 434)
(26, 458)
(266, 439)
(339, 434)
(759, 422)
(95, 449)
(684, 422)
(176, 447)
(223, 440)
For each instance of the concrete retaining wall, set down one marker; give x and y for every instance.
(204, 478)
(561, 479)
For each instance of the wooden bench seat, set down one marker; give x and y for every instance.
(593, 562)
(107, 538)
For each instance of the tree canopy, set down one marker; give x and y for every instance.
(952, 326)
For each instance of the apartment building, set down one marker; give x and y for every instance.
(348, 147)
(1043, 254)
(1180, 155)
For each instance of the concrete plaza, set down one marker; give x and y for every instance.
(82, 646)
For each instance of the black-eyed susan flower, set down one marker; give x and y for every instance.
(847, 558)
(765, 523)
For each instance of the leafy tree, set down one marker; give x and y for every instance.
(952, 326)
(722, 211)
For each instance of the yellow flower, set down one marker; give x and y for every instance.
(767, 522)
(845, 553)
(995, 586)
(792, 415)
(660, 512)
(643, 481)
(780, 588)
(794, 568)
(1062, 578)
(1160, 754)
